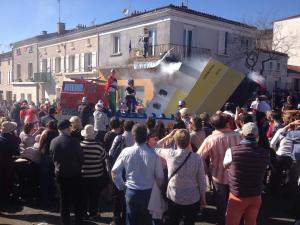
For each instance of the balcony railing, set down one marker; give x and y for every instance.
(179, 52)
(42, 77)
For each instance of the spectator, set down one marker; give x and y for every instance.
(49, 117)
(142, 168)
(47, 184)
(15, 114)
(84, 111)
(67, 156)
(9, 143)
(247, 163)
(214, 147)
(206, 126)
(76, 127)
(27, 136)
(92, 171)
(186, 183)
(120, 142)
(185, 116)
(196, 133)
(115, 126)
(100, 121)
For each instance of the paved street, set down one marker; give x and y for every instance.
(274, 212)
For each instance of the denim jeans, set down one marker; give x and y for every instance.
(137, 207)
(221, 195)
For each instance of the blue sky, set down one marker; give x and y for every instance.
(21, 19)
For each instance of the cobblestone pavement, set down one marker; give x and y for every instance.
(273, 212)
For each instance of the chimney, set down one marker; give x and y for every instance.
(44, 32)
(61, 28)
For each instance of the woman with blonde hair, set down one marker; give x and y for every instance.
(76, 127)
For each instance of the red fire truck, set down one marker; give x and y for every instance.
(73, 92)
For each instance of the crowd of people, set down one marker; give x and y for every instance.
(156, 173)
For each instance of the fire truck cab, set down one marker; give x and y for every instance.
(73, 92)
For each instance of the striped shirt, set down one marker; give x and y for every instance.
(94, 156)
(214, 147)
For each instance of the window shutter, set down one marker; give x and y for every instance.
(62, 64)
(67, 64)
(77, 62)
(81, 69)
(41, 65)
(94, 60)
(221, 45)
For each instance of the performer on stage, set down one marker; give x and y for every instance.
(111, 90)
(130, 96)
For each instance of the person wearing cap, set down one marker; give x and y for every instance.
(111, 88)
(84, 111)
(100, 121)
(181, 104)
(92, 171)
(262, 105)
(68, 158)
(130, 96)
(185, 116)
(9, 147)
(246, 164)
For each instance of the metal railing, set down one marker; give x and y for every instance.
(179, 52)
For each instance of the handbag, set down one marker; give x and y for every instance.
(167, 180)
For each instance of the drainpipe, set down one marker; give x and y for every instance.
(98, 53)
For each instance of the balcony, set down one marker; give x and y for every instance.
(42, 77)
(179, 52)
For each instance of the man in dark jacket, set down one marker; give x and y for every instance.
(15, 115)
(68, 158)
(51, 116)
(247, 164)
(84, 111)
(9, 147)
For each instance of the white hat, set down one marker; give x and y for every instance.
(88, 132)
(184, 112)
(84, 99)
(8, 127)
(250, 130)
(99, 105)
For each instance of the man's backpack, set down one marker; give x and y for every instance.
(116, 149)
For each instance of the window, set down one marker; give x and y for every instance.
(30, 49)
(68, 87)
(71, 63)
(152, 41)
(87, 62)
(44, 65)
(116, 45)
(270, 65)
(57, 65)
(22, 96)
(29, 98)
(18, 71)
(278, 67)
(30, 71)
(18, 51)
(187, 42)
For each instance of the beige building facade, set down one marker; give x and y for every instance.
(6, 77)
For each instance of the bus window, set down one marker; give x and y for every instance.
(71, 87)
